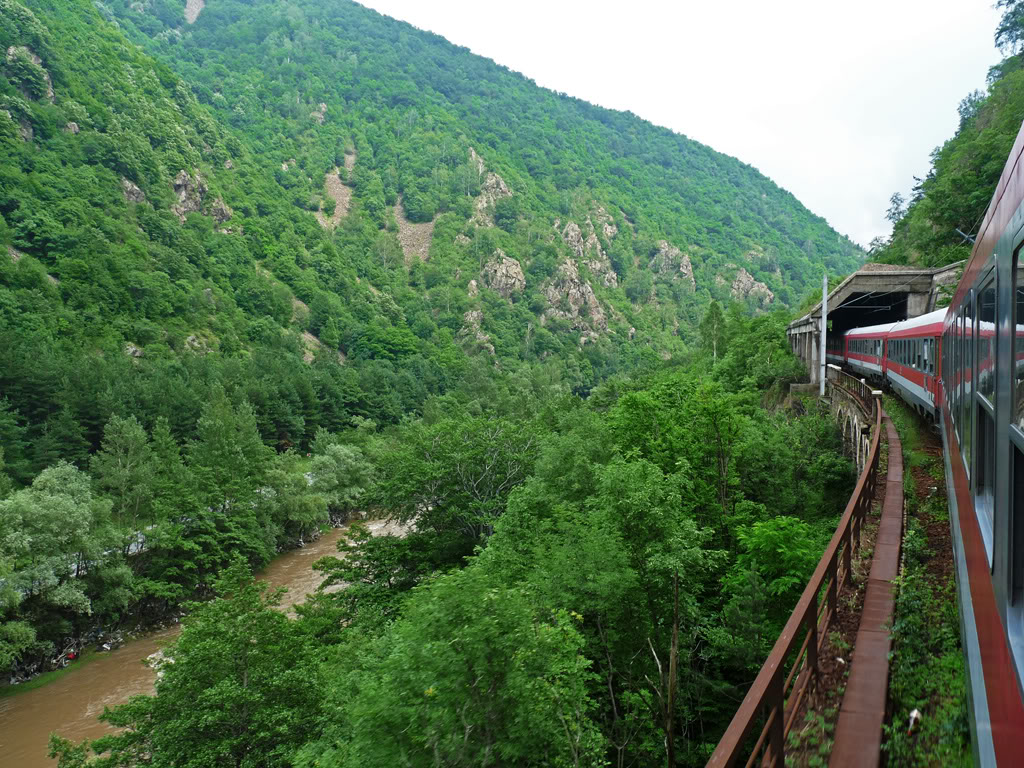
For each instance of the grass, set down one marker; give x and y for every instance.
(9, 691)
(927, 663)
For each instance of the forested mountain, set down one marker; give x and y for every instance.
(268, 263)
(459, 205)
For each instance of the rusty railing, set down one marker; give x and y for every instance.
(859, 389)
(776, 695)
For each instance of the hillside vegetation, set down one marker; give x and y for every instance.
(931, 229)
(276, 263)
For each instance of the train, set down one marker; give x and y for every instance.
(962, 368)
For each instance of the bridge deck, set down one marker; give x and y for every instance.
(858, 737)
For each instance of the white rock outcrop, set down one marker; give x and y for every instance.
(190, 191)
(746, 287)
(471, 331)
(572, 298)
(587, 249)
(132, 193)
(671, 261)
(503, 274)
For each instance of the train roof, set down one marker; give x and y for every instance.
(871, 330)
(922, 322)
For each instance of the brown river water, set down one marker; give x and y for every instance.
(70, 704)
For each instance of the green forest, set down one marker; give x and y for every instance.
(279, 266)
(561, 555)
(937, 223)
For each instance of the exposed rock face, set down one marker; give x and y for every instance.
(461, 239)
(605, 222)
(132, 351)
(72, 128)
(16, 256)
(20, 50)
(746, 287)
(320, 113)
(572, 298)
(220, 211)
(342, 196)
(471, 330)
(132, 193)
(492, 189)
(473, 289)
(478, 161)
(192, 10)
(588, 250)
(310, 345)
(190, 193)
(195, 344)
(672, 261)
(414, 237)
(300, 311)
(503, 274)
(228, 165)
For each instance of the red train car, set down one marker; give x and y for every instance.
(865, 350)
(965, 367)
(911, 361)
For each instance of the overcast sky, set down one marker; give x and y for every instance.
(840, 103)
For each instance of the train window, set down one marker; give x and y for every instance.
(967, 377)
(1018, 345)
(986, 342)
(984, 475)
(1017, 525)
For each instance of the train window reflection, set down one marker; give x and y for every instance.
(986, 341)
(967, 379)
(1018, 346)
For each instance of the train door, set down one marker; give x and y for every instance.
(983, 407)
(1016, 419)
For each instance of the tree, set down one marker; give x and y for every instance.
(50, 534)
(1009, 34)
(124, 469)
(897, 209)
(471, 675)
(244, 690)
(712, 329)
(453, 476)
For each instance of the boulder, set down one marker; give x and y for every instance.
(746, 287)
(190, 193)
(503, 275)
(673, 262)
(132, 193)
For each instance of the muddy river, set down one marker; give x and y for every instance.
(71, 704)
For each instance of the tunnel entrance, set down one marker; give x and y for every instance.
(861, 309)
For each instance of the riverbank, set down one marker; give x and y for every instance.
(70, 700)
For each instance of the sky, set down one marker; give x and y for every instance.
(839, 103)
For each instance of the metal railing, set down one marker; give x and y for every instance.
(859, 389)
(776, 695)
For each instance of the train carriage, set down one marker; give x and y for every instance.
(964, 365)
(865, 350)
(911, 361)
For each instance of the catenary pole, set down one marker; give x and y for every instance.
(824, 327)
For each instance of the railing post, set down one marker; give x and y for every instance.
(833, 576)
(812, 644)
(847, 552)
(776, 734)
